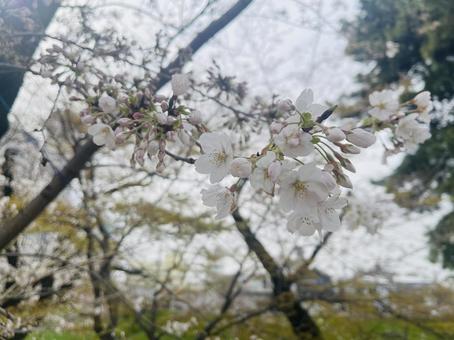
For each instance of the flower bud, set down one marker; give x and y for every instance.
(240, 167)
(345, 162)
(423, 102)
(139, 156)
(195, 117)
(342, 179)
(137, 115)
(159, 98)
(349, 148)
(120, 135)
(164, 105)
(153, 148)
(284, 105)
(107, 104)
(361, 138)
(124, 121)
(87, 119)
(335, 135)
(171, 136)
(276, 127)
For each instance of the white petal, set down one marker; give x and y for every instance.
(218, 173)
(95, 129)
(316, 110)
(203, 164)
(99, 140)
(302, 224)
(304, 100)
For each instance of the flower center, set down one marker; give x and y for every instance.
(218, 158)
(300, 188)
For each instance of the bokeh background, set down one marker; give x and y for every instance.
(130, 254)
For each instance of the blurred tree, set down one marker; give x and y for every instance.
(410, 43)
(24, 22)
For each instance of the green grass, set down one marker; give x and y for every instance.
(274, 327)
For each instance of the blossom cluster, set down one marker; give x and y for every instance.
(304, 162)
(153, 121)
(408, 121)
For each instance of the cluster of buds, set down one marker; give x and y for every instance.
(151, 121)
(304, 162)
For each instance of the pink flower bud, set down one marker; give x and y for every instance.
(87, 119)
(171, 136)
(195, 118)
(276, 127)
(153, 148)
(335, 135)
(343, 180)
(241, 167)
(349, 148)
(361, 138)
(285, 105)
(124, 121)
(137, 115)
(159, 98)
(139, 156)
(164, 106)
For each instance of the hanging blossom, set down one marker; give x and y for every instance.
(409, 121)
(305, 162)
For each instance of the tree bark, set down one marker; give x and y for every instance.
(302, 324)
(14, 227)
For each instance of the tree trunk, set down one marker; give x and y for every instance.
(286, 302)
(23, 48)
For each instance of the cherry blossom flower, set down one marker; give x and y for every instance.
(303, 222)
(305, 103)
(335, 135)
(217, 157)
(261, 178)
(412, 132)
(385, 103)
(107, 104)
(219, 197)
(325, 217)
(180, 84)
(102, 135)
(294, 142)
(423, 101)
(424, 105)
(328, 214)
(302, 189)
(276, 127)
(195, 117)
(240, 167)
(361, 138)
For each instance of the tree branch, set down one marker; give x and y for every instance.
(11, 229)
